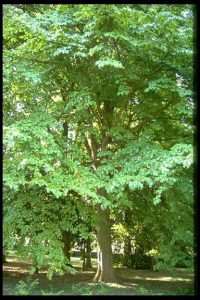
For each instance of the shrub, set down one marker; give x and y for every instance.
(26, 287)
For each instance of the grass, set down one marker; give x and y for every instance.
(16, 280)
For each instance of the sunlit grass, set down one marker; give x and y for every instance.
(162, 278)
(77, 263)
(129, 281)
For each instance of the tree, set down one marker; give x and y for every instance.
(158, 236)
(126, 113)
(86, 254)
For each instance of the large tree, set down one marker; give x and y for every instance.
(98, 100)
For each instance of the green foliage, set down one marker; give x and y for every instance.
(93, 289)
(120, 77)
(179, 291)
(143, 290)
(79, 289)
(47, 293)
(26, 287)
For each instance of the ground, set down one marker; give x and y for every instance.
(129, 281)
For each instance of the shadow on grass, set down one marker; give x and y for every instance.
(130, 282)
(179, 282)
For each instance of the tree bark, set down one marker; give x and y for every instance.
(36, 269)
(88, 263)
(86, 255)
(35, 264)
(105, 271)
(4, 258)
(83, 257)
(66, 237)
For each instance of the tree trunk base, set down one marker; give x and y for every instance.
(87, 269)
(101, 279)
(105, 271)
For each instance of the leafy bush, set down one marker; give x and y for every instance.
(142, 261)
(26, 287)
(44, 293)
(94, 289)
(79, 289)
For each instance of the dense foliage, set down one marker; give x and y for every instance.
(98, 115)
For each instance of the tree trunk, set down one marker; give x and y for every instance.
(105, 271)
(4, 258)
(66, 237)
(88, 263)
(36, 269)
(83, 254)
(35, 264)
(127, 259)
(86, 255)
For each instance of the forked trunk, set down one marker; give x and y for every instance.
(105, 271)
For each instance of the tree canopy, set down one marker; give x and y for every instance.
(98, 118)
